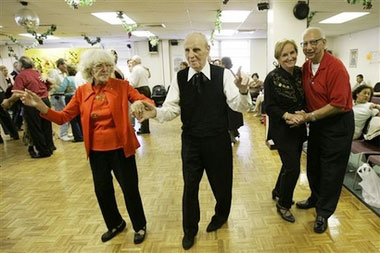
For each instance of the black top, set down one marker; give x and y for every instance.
(203, 106)
(283, 92)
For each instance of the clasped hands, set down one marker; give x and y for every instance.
(143, 110)
(295, 119)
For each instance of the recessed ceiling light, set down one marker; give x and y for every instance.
(111, 18)
(49, 37)
(142, 34)
(1, 26)
(234, 16)
(225, 32)
(343, 17)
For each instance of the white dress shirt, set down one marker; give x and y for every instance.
(139, 76)
(236, 101)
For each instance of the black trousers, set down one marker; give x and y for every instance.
(40, 129)
(76, 126)
(213, 154)
(125, 171)
(328, 150)
(6, 121)
(145, 90)
(290, 170)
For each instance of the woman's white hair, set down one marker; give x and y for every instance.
(92, 57)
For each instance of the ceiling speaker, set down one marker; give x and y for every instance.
(301, 10)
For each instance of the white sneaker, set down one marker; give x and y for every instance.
(65, 138)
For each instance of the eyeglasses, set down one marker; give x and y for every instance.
(312, 43)
(102, 65)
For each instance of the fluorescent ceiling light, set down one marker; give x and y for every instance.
(343, 17)
(1, 26)
(143, 34)
(225, 32)
(234, 16)
(111, 18)
(49, 37)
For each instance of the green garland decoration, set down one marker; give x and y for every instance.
(310, 18)
(92, 42)
(82, 3)
(218, 25)
(11, 52)
(367, 4)
(154, 40)
(43, 36)
(127, 27)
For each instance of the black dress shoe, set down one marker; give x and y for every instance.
(80, 140)
(112, 233)
(143, 132)
(320, 224)
(285, 213)
(40, 155)
(214, 225)
(305, 204)
(275, 194)
(139, 236)
(187, 241)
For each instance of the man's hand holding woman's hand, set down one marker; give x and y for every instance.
(143, 110)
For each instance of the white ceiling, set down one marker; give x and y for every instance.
(179, 16)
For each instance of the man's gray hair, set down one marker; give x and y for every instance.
(200, 35)
(136, 59)
(321, 32)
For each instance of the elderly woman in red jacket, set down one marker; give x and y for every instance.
(109, 138)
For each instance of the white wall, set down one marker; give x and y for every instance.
(259, 58)
(366, 42)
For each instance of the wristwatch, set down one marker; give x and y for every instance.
(313, 118)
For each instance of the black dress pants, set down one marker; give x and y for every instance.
(40, 129)
(213, 154)
(145, 90)
(329, 147)
(6, 120)
(125, 171)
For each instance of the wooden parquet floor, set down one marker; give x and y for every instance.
(49, 205)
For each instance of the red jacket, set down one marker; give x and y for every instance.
(118, 93)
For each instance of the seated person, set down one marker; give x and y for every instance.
(363, 109)
(255, 86)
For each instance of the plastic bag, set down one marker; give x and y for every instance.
(370, 184)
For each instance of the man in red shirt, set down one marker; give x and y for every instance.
(329, 103)
(40, 129)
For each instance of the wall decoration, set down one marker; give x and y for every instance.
(45, 58)
(373, 57)
(79, 3)
(92, 42)
(353, 58)
(41, 37)
(154, 41)
(127, 27)
(367, 4)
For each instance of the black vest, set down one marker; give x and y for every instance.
(203, 114)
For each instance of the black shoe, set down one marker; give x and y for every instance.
(31, 151)
(275, 194)
(305, 204)
(214, 225)
(320, 224)
(285, 213)
(112, 233)
(143, 132)
(187, 241)
(80, 140)
(40, 155)
(139, 237)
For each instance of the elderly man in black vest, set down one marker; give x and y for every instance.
(202, 93)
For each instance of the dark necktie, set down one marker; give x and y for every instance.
(198, 80)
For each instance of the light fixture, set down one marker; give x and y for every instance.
(142, 34)
(225, 32)
(26, 17)
(49, 37)
(234, 16)
(1, 26)
(111, 18)
(343, 17)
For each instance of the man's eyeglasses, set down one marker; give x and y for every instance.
(312, 43)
